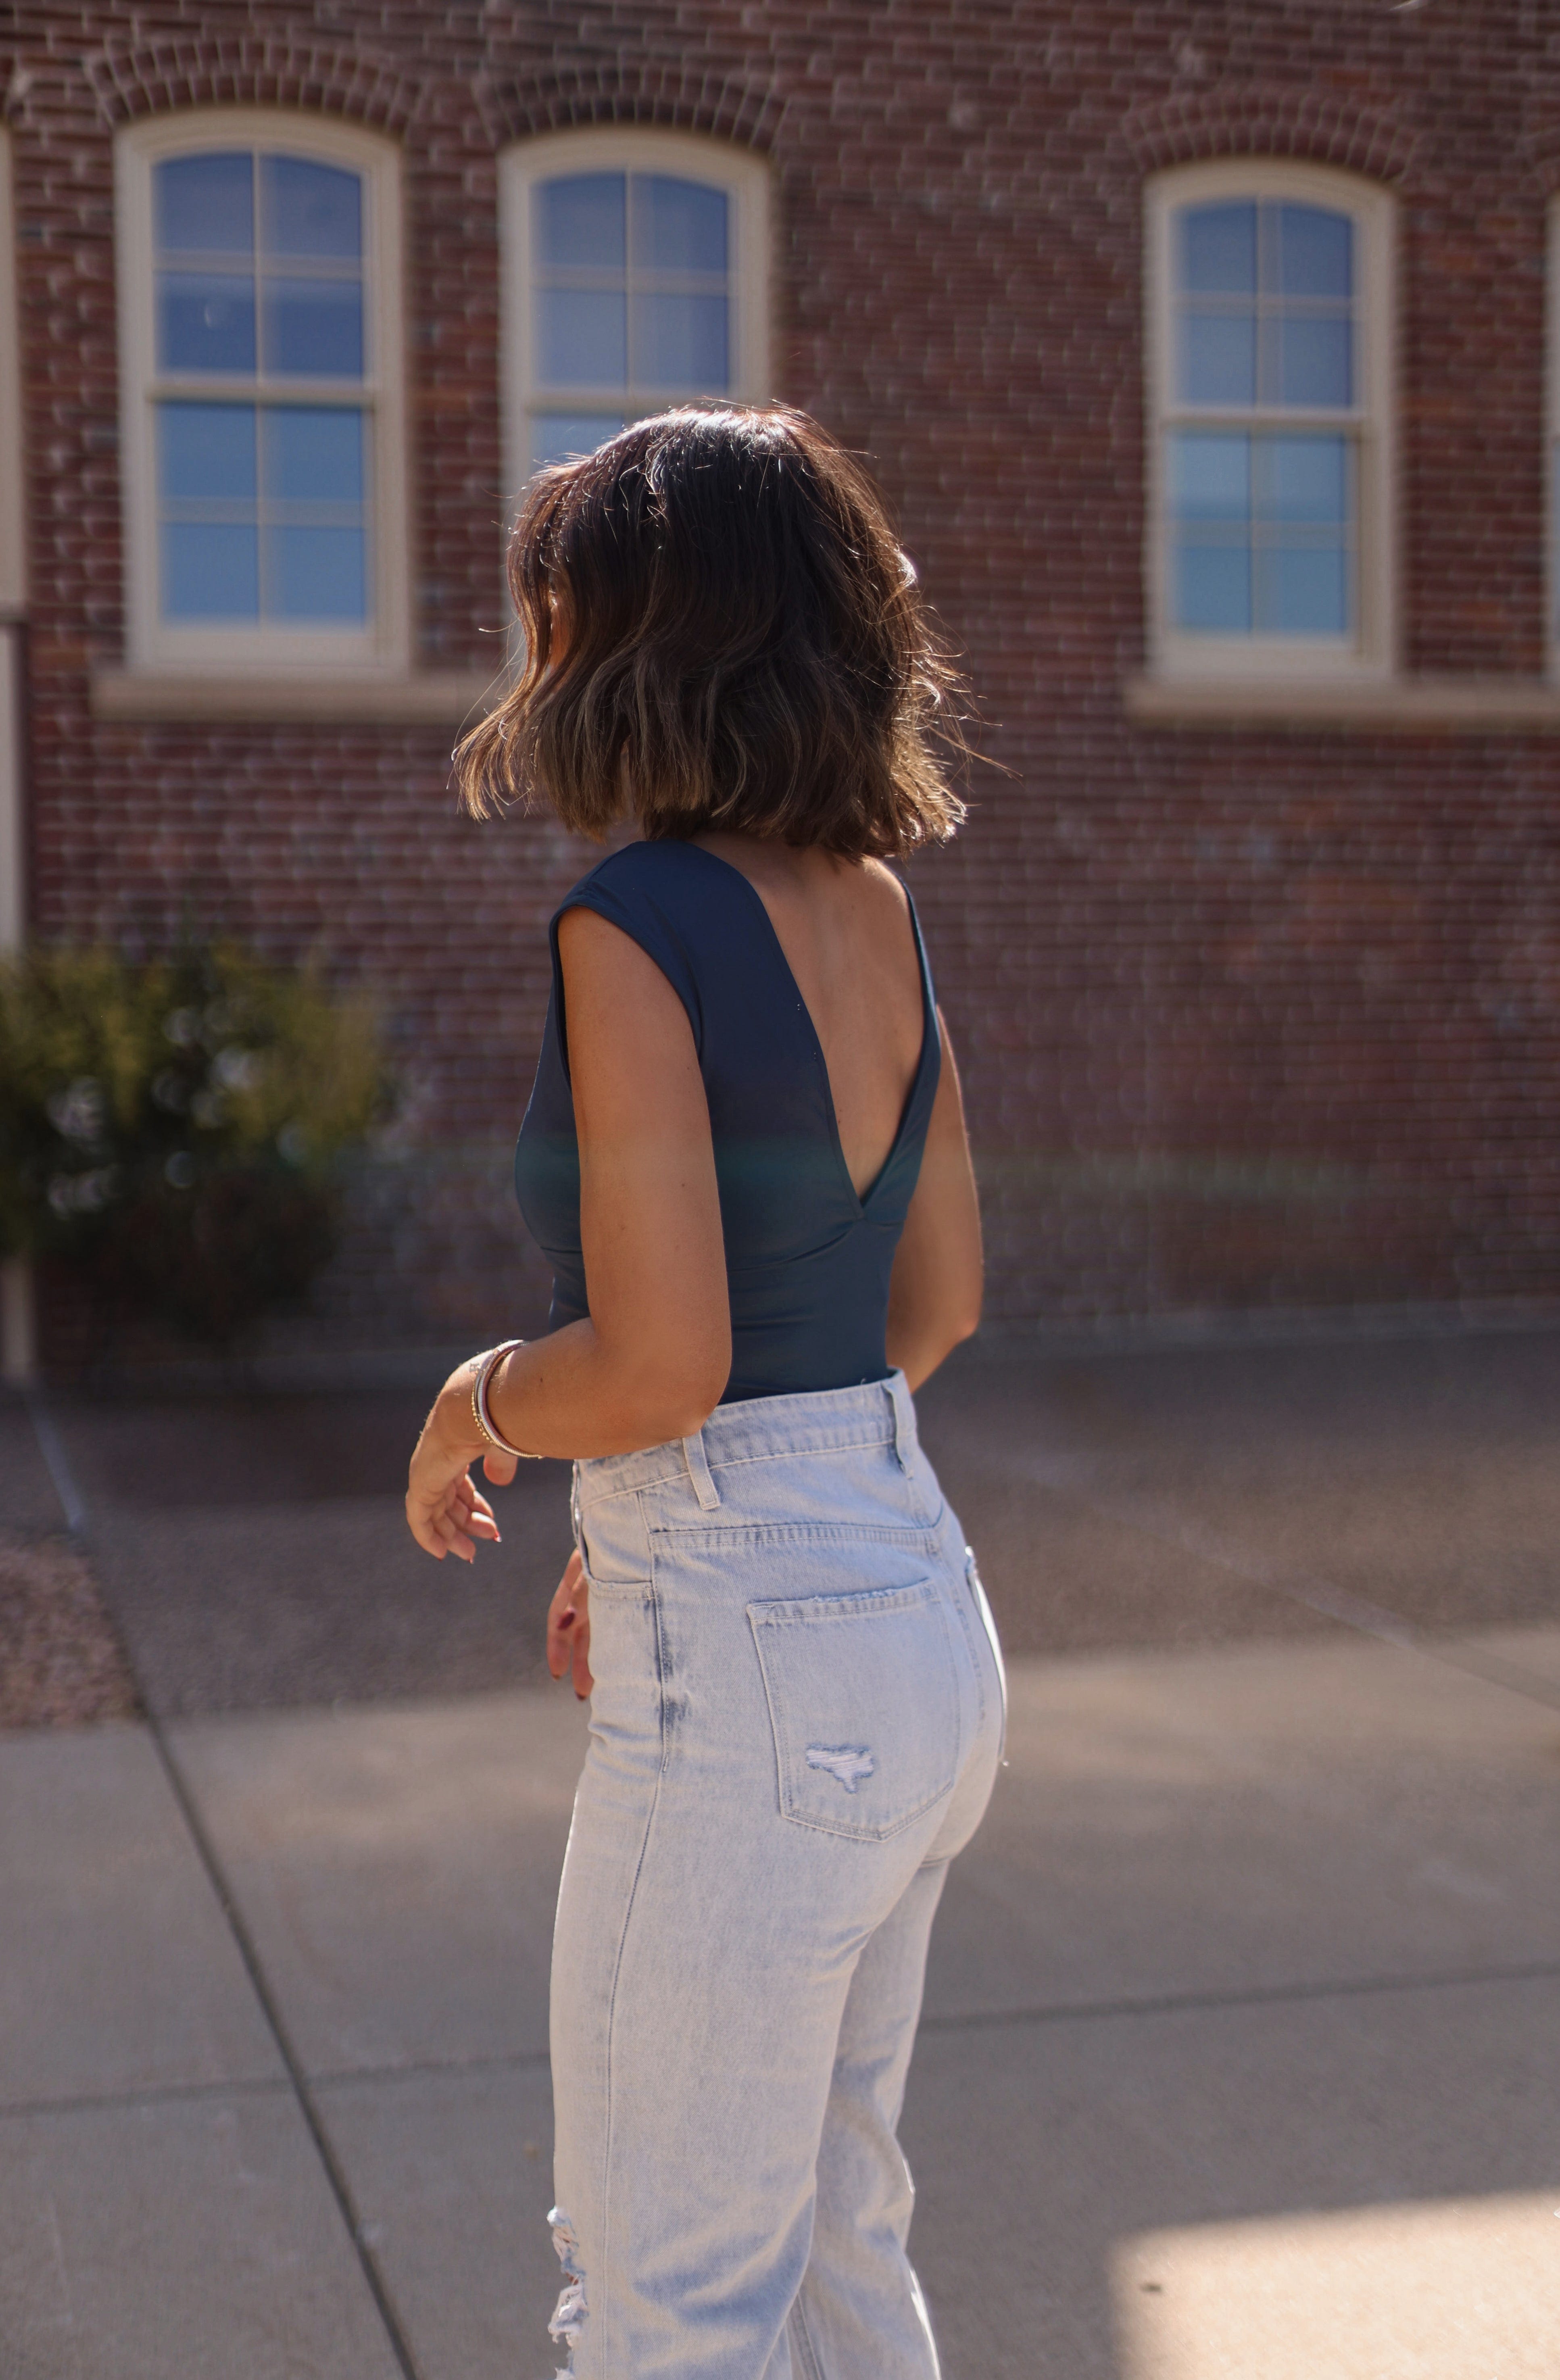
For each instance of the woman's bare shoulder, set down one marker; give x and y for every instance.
(885, 889)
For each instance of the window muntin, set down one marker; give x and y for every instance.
(260, 352)
(635, 282)
(1262, 517)
(258, 264)
(630, 296)
(1271, 358)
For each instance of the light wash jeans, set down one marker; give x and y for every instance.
(797, 1719)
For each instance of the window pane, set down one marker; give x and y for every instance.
(314, 328)
(206, 203)
(1219, 249)
(1210, 476)
(315, 574)
(680, 343)
(210, 571)
(308, 209)
(579, 220)
(582, 338)
(1315, 360)
(1303, 479)
(1211, 588)
(678, 226)
(1218, 358)
(206, 453)
(312, 453)
(1303, 589)
(1315, 252)
(205, 322)
(562, 437)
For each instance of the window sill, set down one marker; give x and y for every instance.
(1470, 706)
(427, 697)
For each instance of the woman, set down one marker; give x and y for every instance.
(745, 1158)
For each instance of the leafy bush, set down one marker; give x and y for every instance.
(173, 1128)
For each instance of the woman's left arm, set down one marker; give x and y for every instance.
(652, 1357)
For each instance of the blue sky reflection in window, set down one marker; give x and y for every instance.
(1261, 491)
(630, 304)
(262, 435)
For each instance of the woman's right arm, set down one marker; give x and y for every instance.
(934, 1290)
(650, 1360)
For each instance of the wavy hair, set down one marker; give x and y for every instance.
(721, 631)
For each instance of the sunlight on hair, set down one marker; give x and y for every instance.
(744, 646)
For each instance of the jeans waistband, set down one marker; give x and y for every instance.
(821, 1421)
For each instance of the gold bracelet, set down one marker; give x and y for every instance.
(479, 1414)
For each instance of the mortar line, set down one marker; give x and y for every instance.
(73, 1506)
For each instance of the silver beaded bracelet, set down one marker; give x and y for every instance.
(480, 1412)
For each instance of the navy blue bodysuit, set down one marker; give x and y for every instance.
(808, 1262)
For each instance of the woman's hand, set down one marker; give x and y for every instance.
(568, 1627)
(446, 1511)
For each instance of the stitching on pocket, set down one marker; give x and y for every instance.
(794, 1769)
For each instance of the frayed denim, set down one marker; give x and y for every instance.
(796, 1721)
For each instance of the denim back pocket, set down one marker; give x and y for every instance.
(864, 1701)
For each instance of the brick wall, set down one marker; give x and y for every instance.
(1247, 1016)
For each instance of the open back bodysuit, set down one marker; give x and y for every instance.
(808, 1260)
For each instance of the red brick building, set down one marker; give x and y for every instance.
(1206, 357)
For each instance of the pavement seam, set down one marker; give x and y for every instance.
(1164, 1527)
(1256, 1996)
(971, 2021)
(74, 1509)
(157, 2094)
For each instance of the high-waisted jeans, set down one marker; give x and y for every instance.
(797, 1716)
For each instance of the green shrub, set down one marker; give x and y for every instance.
(173, 1128)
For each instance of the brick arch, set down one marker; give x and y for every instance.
(647, 91)
(1270, 120)
(252, 71)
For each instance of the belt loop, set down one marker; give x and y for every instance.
(697, 1461)
(904, 1421)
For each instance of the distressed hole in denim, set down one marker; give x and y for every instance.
(569, 2313)
(850, 1764)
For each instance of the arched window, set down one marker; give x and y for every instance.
(1270, 356)
(261, 358)
(635, 273)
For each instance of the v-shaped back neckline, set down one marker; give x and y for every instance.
(929, 1034)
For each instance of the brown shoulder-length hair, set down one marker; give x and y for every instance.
(720, 630)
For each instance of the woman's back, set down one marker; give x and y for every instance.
(850, 943)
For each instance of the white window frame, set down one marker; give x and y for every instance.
(1370, 652)
(628, 149)
(151, 644)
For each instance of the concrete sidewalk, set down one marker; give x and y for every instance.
(1241, 2054)
(1240, 2059)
